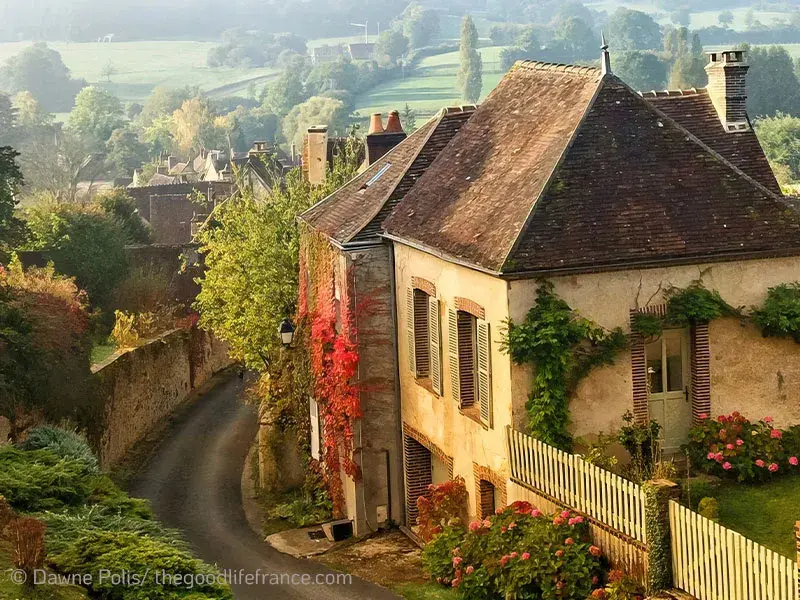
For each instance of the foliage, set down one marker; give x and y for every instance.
(420, 25)
(133, 329)
(39, 70)
(284, 93)
(596, 453)
(709, 508)
(96, 115)
(118, 552)
(192, 126)
(640, 440)
(633, 30)
(779, 316)
(732, 446)
(10, 182)
(619, 587)
(41, 480)
(391, 45)
(27, 539)
(124, 152)
(445, 505)
(308, 509)
(317, 110)
(647, 325)
(61, 442)
(118, 205)
(252, 48)
(519, 553)
(147, 288)
(563, 348)
(772, 85)
(470, 76)
(695, 304)
(83, 242)
(640, 70)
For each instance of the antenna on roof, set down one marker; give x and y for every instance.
(605, 58)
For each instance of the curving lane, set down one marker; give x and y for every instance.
(194, 484)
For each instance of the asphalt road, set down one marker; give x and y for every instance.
(194, 484)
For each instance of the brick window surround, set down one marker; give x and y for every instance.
(423, 284)
(471, 307)
(417, 453)
(484, 475)
(700, 367)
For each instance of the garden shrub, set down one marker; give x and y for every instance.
(63, 443)
(709, 508)
(26, 535)
(779, 316)
(107, 494)
(641, 442)
(132, 553)
(520, 553)
(445, 504)
(695, 304)
(40, 480)
(619, 587)
(732, 446)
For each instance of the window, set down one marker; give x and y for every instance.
(469, 351)
(423, 334)
(486, 501)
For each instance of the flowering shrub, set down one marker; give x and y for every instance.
(733, 446)
(519, 552)
(444, 503)
(619, 587)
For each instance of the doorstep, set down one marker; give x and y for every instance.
(301, 543)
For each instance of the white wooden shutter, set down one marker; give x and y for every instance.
(316, 439)
(484, 373)
(434, 335)
(412, 358)
(452, 348)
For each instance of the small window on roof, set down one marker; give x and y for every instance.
(374, 179)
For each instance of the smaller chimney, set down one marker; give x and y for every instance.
(172, 162)
(315, 154)
(259, 148)
(727, 88)
(382, 141)
(375, 124)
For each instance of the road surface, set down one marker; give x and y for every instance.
(194, 484)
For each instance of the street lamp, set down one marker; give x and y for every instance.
(287, 332)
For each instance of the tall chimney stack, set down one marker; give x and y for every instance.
(380, 140)
(315, 154)
(727, 88)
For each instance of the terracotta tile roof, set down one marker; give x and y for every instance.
(693, 110)
(354, 212)
(561, 168)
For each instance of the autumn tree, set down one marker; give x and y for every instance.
(96, 115)
(317, 110)
(470, 75)
(193, 126)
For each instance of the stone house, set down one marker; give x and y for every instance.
(566, 174)
(349, 222)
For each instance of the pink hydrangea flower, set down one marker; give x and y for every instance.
(504, 561)
(711, 456)
(474, 526)
(536, 513)
(569, 541)
(773, 467)
(559, 553)
(740, 442)
(793, 461)
(525, 556)
(456, 583)
(776, 434)
(565, 514)
(718, 457)
(470, 569)
(575, 521)
(768, 419)
(498, 511)
(513, 555)
(457, 561)
(703, 416)
(729, 446)
(512, 525)
(760, 463)
(487, 523)
(727, 466)
(503, 529)
(558, 521)
(594, 551)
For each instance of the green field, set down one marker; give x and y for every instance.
(431, 86)
(141, 66)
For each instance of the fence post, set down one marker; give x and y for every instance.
(797, 542)
(657, 494)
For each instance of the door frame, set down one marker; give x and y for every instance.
(666, 395)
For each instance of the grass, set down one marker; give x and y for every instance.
(101, 352)
(141, 66)
(13, 591)
(765, 513)
(424, 591)
(431, 86)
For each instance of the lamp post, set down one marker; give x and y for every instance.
(286, 331)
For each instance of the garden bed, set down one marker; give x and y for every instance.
(764, 512)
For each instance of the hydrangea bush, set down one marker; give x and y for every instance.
(519, 552)
(445, 504)
(732, 446)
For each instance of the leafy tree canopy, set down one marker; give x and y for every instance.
(780, 137)
(772, 84)
(96, 115)
(317, 110)
(642, 71)
(633, 30)
(470, 76)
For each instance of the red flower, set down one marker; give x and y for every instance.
(776, 434)
(559, 553)
(793, 461)
(525, 556)
(569, 541)
(594, 551)
(773, 467)
(768, 419)
(760, 463)
(470, 569)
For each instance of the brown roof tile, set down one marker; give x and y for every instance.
(563, 169)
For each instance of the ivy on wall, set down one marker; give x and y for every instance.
(563, 347)
(779, 316)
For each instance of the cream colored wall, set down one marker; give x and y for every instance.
(744, 367)
(438, 417)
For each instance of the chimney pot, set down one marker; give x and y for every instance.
(375, 124)
(393, 125)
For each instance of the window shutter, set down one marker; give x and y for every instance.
(452, 348)
(435, 344)
(484, 373)
(412, 358)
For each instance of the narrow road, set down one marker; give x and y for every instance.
(194, 483)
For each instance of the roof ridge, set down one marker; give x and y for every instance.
(535, 65)
(678, 93)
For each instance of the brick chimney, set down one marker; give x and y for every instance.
(727, 88)
(259, 148)
(380, 140)
(315, 154)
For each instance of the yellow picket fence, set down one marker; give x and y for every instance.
(711, 562)
(600, 494)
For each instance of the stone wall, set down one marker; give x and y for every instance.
(140, 388)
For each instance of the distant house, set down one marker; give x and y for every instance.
(361, 51)
(327, 53)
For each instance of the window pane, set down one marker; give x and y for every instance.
(674, 344)
(467, 357)
(421, 339)
(653, 353)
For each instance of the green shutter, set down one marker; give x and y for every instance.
(412, 358)
(435, 344)
(452, 348)
(484, 373)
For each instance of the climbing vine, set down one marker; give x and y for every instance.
(564, 348)
(779, 316)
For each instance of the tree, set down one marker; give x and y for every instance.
(39, 70)
(10, 182)
(528, 40)
(317, 110)
(409, 118)
(577, 38)
(420, 25)
(158, 135)
(633, 30)
(193, 126)
(391, 46)
(780, 137)
(124, 152)
(284, 93)
(9, 128)
(640, 70)
(725, 18)
(772, 84)
(108, 71)
(341, 74)
(83, 242)
(575, 10)
(165, 101)
(96, 115)
(250, 283)
(118, 205)
(470, 76)
(688, 68)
